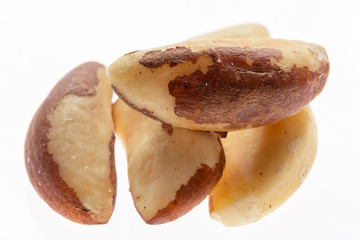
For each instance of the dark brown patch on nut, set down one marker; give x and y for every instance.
(222, 134)
(173, 57)
(191, 194)
(243, 95)
(168, 128)
(81, 81)
(113, 177)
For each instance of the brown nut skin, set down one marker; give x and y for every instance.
(222, 85)
(42, 170)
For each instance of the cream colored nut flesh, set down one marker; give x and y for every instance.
(239, 31)
(170, 169)
(221, 85)
(69, 147)
(264, 167)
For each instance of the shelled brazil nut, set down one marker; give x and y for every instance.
(264, 167)
(235, 80)
(69, 147)
(170, 170)
(221, 85)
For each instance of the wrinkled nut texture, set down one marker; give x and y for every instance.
(264, 167)
(69, 153)
(221, 85)
(170, 169)
(239, 31)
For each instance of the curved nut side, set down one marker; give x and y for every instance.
(42, 169)
(222, 85)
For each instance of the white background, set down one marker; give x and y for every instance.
(40, 41)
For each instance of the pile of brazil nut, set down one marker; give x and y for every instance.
(225, 115)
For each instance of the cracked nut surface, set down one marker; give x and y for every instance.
(69, 153)
(221, 85)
